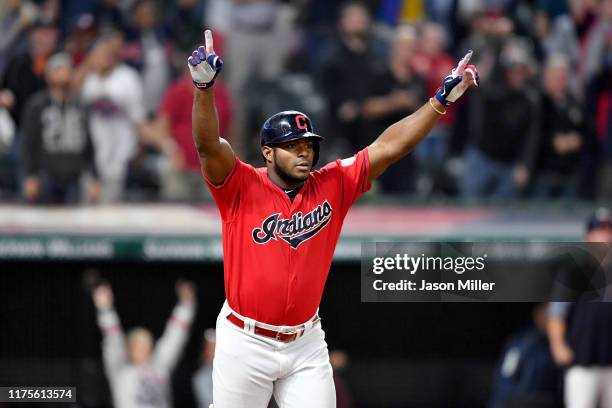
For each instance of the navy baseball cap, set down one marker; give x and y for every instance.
(601, 218)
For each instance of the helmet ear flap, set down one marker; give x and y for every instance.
(315, 147)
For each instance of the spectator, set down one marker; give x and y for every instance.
(108, 17)
(584, 15)
(113, 92)
(49, 11)
(57, 148)
(394, 92)
(344, 75)
(218, 15)
(488, 35)
(556, 35)
(556, 151)
(258, 42)
(8, 149)
(138, 370)
(7, 126)
(502, 121)
(599, 103)
(431, 60)
(81, 37)
(173, 124)
(598, 45)
(433, 63)
(24, 74)
(147, 49)
(526, 375)
(601, 88)
(443, 12)
(16, 16)
(184, 21)
(580, 333)
(202, 379)
(552, 8)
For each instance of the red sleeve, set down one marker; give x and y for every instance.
(353, 173)
(227, 195)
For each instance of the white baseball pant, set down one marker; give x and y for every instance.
(588, 387)
(248, 368)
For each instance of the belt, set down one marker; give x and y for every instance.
(284, 336)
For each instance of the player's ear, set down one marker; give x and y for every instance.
(267, 152)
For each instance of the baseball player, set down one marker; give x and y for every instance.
(281, 224)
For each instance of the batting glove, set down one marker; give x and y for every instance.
(454, 86)
(204, 64)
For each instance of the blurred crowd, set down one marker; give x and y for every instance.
(95, 97)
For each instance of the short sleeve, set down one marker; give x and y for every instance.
(354, 172)
(227, 195)
(559, 310)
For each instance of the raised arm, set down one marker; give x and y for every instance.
(216, 156)
(114, 351)
(401, 137)
(169, 347)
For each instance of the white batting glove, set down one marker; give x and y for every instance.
(204, 64)
(454, 85)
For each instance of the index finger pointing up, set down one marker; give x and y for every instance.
(208, 42)
(463, 63)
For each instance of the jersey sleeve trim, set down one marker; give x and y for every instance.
(366, 185)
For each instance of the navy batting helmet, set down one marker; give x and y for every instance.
(286, 126)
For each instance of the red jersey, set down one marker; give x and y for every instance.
(277, 253)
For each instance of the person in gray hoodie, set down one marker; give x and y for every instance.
(138, 369)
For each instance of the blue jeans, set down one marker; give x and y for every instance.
(430, 153)
(485, 177)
